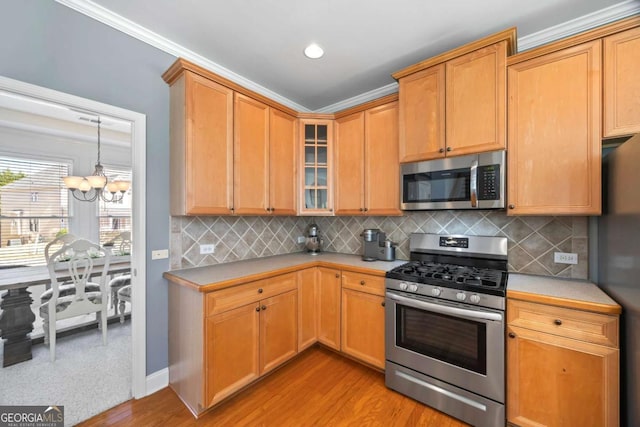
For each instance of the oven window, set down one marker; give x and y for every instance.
(460, 342)
(442, 186)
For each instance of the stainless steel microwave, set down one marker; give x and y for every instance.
(474, 181)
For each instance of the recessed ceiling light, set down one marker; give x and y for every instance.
(313, 51)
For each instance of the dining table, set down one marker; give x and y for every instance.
(17, 318)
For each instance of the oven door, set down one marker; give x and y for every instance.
(456, 343)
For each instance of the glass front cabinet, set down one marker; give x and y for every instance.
(316, 167)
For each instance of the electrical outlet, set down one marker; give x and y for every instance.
(301, 239)
(565, 258)
(160, 254)
(207, 249)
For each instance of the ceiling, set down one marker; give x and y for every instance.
(364, 40)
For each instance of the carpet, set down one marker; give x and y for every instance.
(86, 378)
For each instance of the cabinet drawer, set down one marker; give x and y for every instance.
(570, 323)
(363, 282)
(230, 298)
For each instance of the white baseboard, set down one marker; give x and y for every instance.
(157, 381)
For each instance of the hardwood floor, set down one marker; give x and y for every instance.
(317, 388)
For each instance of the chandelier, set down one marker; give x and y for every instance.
(97, 185)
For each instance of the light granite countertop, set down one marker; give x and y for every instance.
(219, 276)
(569, 293)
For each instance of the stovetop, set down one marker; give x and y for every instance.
(469, 278)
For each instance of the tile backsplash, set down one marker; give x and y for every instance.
(532, 240)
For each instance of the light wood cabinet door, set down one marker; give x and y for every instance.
(201, 147)
(422, 110)
(557, 381)
(381, 167)
(329, 307)
(307, 308)
(476, 101)
(278, 330)
(231, 351)
(363, 326)
(282, 163)
(554, 133)
(621, 84)
(251, 156)
(349, 165)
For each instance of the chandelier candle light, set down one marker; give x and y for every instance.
(89, 188)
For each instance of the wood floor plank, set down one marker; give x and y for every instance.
(317, 388)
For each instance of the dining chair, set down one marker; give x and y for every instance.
(124, 294)
(121, 245)
(78, 258)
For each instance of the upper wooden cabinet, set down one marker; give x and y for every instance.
(201, 146)
(554, 133)
(621, 84)
(282, 163)
(454, 104)
(366, 162)
(316, 159)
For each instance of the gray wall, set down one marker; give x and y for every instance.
(50, 45)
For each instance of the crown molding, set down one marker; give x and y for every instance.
(580, 24)
(120, 23)
(360, 99)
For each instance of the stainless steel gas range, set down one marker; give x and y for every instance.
(445, 326)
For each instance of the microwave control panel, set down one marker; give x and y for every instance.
(489, 182)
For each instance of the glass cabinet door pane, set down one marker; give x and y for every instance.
(309, 177)
(309, 155)
(310, 199)
(322, 134)
(322, 177)
(322, 199)
(309, 132)
(322, 155)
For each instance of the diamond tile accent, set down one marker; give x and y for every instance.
(532, 240)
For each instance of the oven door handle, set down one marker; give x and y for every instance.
(473, 183)
(445, 309)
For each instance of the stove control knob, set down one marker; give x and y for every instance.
(403, 286)
(413, 288)
(461, 296)
(474, 298)
(436, 292)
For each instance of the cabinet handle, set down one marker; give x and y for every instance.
(361, 210)
(273, 210)
(557, 322)
(362, 282)
(260, 291)
(257, 308)
(382, 303)
(441, 150)
(512, 206)
(264, 307)
(337, 276)
(448, 148)
(512, 335)
(330, 210)
(366, 209)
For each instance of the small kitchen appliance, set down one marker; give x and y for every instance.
(313, 242)
(445, 325)
(375, 246)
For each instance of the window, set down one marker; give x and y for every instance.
(34, 208)
(115, 217)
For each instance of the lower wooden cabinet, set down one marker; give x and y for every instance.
(363, 326)
(328, 306)
(278, 330)
(307, 308)
(559, 372)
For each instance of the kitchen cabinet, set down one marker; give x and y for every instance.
(554, 159)
(363, 317)
(307, 308)
(621, 84)
(455, 103)
(366, 161)
(316, 167)
(283, 132)
(562, 366)
(329, 287)
(201, 146)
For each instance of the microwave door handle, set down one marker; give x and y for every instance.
(444, 309)
(473, 183)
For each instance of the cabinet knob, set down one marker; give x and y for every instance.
(441, 150)
(382, 303)
(512, 335)
(273, 209)
(557, 322)
(366, 209)
(361, 210)
(337, 276)
(448, 148)
(362, 282)
(257, 308)
(264, 307)
(330, 210)
(512, 206)
(260, 290)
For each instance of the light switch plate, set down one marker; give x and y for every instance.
(207, 249)
(160, 254)
(565, 258)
